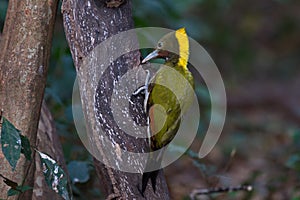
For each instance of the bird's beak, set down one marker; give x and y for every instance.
(153, 54)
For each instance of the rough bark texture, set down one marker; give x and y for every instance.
(87, 24)
(25, 49)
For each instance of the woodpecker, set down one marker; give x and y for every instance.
(164, 120)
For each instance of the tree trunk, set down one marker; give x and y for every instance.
(25, 50)
(87, 24)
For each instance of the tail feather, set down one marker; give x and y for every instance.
(153, 162)
(152, 176)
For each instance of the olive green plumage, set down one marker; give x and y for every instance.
(165, 120)
(170, 94)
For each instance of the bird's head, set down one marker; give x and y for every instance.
(174, 45)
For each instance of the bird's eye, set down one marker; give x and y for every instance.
(159, 45)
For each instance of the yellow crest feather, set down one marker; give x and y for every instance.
(183, 43)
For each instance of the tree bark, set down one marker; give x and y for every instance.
(25, 50)
(87, 24)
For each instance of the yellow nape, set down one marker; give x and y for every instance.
(183, 43)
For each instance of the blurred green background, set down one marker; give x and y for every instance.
(256, 46)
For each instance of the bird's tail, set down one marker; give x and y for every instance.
(153, 162)
(149, 176)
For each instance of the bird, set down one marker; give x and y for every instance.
(164, 120)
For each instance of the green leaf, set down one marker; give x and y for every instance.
(79, 171)
(293, 162)
(26, 150)
(296, 138)
(55, 176)
(12, 192)
(10, 142)
(18, 190)
(24, 188)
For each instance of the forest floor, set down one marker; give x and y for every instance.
(260, 146)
